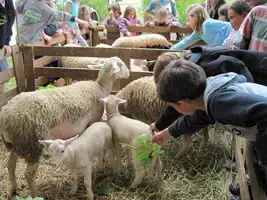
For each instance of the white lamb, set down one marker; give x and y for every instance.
(57, 113)
(77, 153)
(126, 131)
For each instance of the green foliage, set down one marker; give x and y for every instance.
(28, 198)
(148, 150)
(46, 87)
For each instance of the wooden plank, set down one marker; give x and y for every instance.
(6, 75)
(4, 98)
(257, 192)
(81, 73)
(241, 171)
(41, 81)
(137, 53)
(18, 68)
(146, 29)
(95, 38)
(44, 61)
(29, 67)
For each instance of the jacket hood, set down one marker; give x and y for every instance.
(216, 82)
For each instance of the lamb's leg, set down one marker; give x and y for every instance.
(75, 182)
(88, 182)
(139, 172)
(11, 166)
(159, 168)
(187, 143)
(118, 157)
(205, 132)
(30, 175)
(101, 160)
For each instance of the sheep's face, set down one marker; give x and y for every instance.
(56, 149)
(112, 102)
(115, 67)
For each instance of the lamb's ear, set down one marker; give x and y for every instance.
(121, 101)
(115, 67)
(105, 100)
(46, 143)
(70, 140)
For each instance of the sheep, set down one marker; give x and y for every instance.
(126, 130)
(142, 41)
(57, 113)
(77, 153)
(144, 105)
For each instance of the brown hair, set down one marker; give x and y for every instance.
(128, 10)
(199, 12)
(164, 59)
(81, 12)
(115, 7)
(240, 7)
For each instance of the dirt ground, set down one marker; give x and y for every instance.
(198, 175)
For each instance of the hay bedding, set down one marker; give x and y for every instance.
(196, 176)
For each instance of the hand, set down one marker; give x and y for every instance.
(151, 24)
(153, 127)
(160, 137)
(105, 32)
(129, 34)
(101, 26)
(8, 51)
(111, 13)
(169, 27)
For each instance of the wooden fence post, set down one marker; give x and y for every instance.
(18, 69)
(29, 67)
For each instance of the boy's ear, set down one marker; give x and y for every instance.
(104, 100)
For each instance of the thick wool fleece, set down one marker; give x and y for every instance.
(142, 101)
(30, 116)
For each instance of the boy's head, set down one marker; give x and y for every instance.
(162, 16)
(196, 15)
(223, 12)
(180, 84)
(115, 8)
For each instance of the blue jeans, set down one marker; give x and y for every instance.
(3, 65)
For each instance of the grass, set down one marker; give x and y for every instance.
(200, 175)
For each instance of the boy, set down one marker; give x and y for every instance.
(228, 99)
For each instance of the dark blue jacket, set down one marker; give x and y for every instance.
(238, 105)
(6, 13)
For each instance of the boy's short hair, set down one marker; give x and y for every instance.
(180, 80)
(223, 10)
(164, 59)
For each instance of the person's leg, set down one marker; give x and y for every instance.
(3, 67)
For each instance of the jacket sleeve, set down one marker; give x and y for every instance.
(188, 41)
(189, 124)
(123, 26)
(10, 23)
(245, 110)
(55, 15)
(167, 117)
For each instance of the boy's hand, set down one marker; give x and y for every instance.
(151, 24)
(111, 13)
(8, 50)
(160, 137)
(169, 27)
(153, 127)
(129, 34)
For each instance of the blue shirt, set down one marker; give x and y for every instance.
(74, 11)
(214, 33)
(157, 4)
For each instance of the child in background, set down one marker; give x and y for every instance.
(114, 19)
(162, 19)
(36, 15)
(223, 13)
(129, 18)
(213, 7)
(213, 32)
(84, 14)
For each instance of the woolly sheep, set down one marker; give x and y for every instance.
(144, 105)
(126, 131)
(142, 41)
(57, 113)
(77, 153)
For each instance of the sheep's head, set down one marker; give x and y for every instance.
(111, 103)
(57, 149)
(114, 66)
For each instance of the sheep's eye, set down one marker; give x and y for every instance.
(62, 151)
